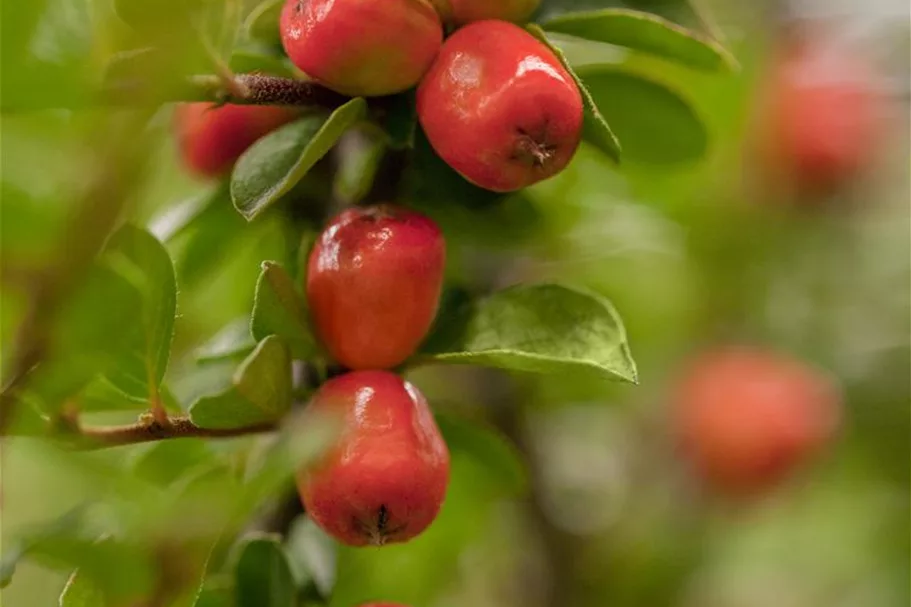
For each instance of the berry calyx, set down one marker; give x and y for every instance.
(212, 137)
(385, 479)
(373, 283)
(362, 47)
(499, 107)
(747, 419)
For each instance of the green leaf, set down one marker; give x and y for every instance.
(145, 261)
(101, 395)
(595, 129)
(399, 119)
(312, 555)
(91, 334)
(263, 576)
(253, 57)
(262, 22)
(275, 163)
(216, 592)
(165, 461)
(647, 33)
(279, 309)
(654, 123)
(260, 391)
(81, 591)
(544, 328)
(359, 160)
(234, 340)
(206, 235)
(180, 216)
(487, 444)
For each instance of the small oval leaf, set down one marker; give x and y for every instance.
(260, 392)
(278, 309)
(275, 163)
(544, 328)
(233, 340)
(145, 262)
(595, 129)
(647, 33)
(263, 576)
(654, 123)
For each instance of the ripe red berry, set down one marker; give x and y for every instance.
(212, 138)
(462, 12)
(499, 108)
(373, 282)
(748, 418)
(362, 47)
(819, 116)
(386, 478)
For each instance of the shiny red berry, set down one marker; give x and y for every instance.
(499, 107)
(386, 478)
(373, 283)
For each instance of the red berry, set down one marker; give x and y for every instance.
(499, 108)
(746, 418)
(462, 12)
(819, 116)
(362, 47)
(212, 138)
(386, 478)
(373, 282)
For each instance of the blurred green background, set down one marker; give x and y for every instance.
(690, 253)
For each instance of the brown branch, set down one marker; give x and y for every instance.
(148, 430)
(245, 89)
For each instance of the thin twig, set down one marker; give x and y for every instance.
(148, 430)
(247, 89)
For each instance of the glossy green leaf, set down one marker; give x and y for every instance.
(542, 328)
(81, 591)
(263, 576)
(140, 257)
(234, 340)
(260, 391)
(644, 32)
(595, 128)
(279, 309)
(655, 124)
(278, 161)
(262, 22)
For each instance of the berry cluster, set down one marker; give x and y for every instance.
(495, 103)
(373, 282)
(499, 107)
